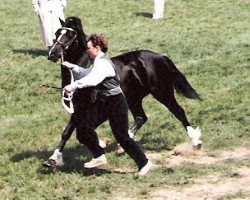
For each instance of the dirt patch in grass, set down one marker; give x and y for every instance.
(212, 187)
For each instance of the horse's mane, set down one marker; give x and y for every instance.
(76, 24)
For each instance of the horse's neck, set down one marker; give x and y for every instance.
(73, 54)
(76, 55)
(84, 61)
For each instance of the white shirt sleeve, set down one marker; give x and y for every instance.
(102, 69)
(80, 72)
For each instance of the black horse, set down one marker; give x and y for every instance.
(142, 72)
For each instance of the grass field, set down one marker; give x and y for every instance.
(209, 41)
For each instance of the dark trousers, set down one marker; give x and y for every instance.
(115, 110)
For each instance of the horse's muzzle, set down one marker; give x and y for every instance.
(53, 58)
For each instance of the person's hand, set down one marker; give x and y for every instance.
(68, 65)
(69, 89)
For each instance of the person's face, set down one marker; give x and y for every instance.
(92, 51)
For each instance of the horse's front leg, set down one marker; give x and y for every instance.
(56, 159)
(139, 121)
(139, 115)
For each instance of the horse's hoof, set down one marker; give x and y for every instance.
(119, 150)
(50, 163)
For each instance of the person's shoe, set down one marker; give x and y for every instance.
(145, 169)
(96, 162)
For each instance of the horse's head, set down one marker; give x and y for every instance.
(70, 41)
(64, 38)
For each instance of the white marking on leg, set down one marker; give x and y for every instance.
(102, 144)
(131, 135)
(57, 157)
(195, 135)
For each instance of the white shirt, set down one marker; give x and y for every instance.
(100, 70)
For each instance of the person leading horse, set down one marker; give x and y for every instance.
(110, 105)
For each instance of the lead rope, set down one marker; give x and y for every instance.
(68, 97)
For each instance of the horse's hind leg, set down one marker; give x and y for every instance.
(176, 109)
(170, 102)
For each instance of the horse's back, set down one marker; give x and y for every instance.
(141, 71)
(146, 64)
(133, 57)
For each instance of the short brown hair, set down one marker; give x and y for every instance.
(99, 40)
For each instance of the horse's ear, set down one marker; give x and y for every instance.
(62, 22)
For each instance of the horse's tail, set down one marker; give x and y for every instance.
(180, 82)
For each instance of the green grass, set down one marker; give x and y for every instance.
(209, 42)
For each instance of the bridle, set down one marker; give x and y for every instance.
(67, 97)
(66, 46)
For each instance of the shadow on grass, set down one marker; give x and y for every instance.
(45, 154)
(74, 159)
(148, 142)
(143, 14)
(77, 168)
(32, 52)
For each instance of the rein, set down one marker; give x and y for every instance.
(51, 86)
(68, 97)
